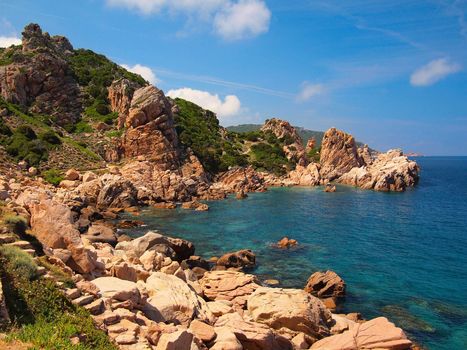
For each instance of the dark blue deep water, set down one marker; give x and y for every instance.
(403, 256)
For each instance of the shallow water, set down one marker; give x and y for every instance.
(403, 256)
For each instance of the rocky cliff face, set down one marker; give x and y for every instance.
(293, 147)
(339, 154)
(150, 131)
(39, 78)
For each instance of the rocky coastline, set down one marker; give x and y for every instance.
(153, 292)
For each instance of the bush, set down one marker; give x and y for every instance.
(52, 176)
(4, 129)
(19, 262)
(27, 131)
(50, 137)
(16, 223)
(269, 157)
(314, 155)
(82, 127)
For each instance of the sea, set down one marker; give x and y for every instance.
(402, 255)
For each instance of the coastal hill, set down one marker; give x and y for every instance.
(83, 140)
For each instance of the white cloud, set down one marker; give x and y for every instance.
(231, 19)
(144, 71)
(245, 18)
(309, 90)
(224, 109)
(434, 71)
(6, 41)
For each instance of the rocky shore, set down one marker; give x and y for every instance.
(136, 150)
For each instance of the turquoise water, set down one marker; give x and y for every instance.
(403, 256)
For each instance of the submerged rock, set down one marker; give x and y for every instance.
(242, 258)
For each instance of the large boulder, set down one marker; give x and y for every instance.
(252, 335)
(120, 94)
(240, 179)
(229, 285)
(117, 289)
(180, 248)
(338, 154)
(293, 309)
(391, 171)
(325, 284)
(101, 233)
(378, 333)
(241, 258)
(116, 192)
(53, 225)
(172, 300)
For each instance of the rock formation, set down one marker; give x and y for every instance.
(378, 333)
(325, 285)
(338, 154)
(391, 171)
(242, 258)
(293, 147)
(39, 78)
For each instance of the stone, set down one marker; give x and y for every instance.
(329, 188)
(89, 176)
(125, 271)
(116, 193)
(252, 335)
(83, 300)
(300, 341)
(126, 338)
(72, 175)
(285, 242)
(117, 289)
(293, 309)
(219, 308)
(341, 324)
(391, 171)
(101, 233)
(96, 307)
(338, 154)
(232, 286)
(72, 293)
(179, 340)
(325, 284)
(241, 258)
(195, 205)
(32, 171)
(226, 340)
(202, 330)
(172, 300)
(152, 260)
(241, 195)
(53, 225)
(305, 175)
(377, 333)
(240, 179)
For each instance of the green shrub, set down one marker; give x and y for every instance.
(4, 129)
(314, 155)
(52, 176)
(50, 137)
(27, 131)
(82, 127)
(16, 223)
(19, 262)
(269, 157)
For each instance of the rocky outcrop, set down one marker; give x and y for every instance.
(239, 179)
(242, 258)
(293, 309)
(120, 95)
(53, 225)
(293, 148)
(306, 176)
(150, 127)
(325, 284)
(40, 79)
(378, 333)
(232, 286)
(338, 154)
(173, 300)
(252, 335)
(391, 171)
(116, 192)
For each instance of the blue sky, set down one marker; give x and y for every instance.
(392, 73)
